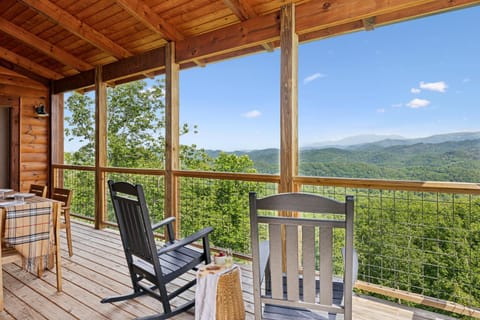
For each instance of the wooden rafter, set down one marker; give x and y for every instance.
(244, 11)
(252, 32)
(28, 64)
(249, 36)
(24, 72)
(268, 46)
(369, 23)
(149, 18)
(78, 27)
(43, 46)
(241, 8)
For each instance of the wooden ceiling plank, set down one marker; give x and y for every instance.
(43, 46)
(315, 20)
(78, 27)
(149, 18)
(28, 64)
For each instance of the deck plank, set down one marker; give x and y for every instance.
(97, 270)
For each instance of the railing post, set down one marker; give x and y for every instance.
(288, 100)
(101, 146)
(172, 141)
(288, 106)
(57, 138)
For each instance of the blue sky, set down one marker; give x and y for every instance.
(414, 79)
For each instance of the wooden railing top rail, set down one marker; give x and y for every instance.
(229, 176)
(425, 186)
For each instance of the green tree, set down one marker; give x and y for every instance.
(136, 139)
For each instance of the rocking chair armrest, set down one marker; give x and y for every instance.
(188, 240)
(166, 221)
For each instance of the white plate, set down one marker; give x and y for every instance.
(25, 195)
(6, 190)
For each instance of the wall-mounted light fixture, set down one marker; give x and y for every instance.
(40, 111)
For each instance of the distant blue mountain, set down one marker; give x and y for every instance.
(383, 141)
(351, 141)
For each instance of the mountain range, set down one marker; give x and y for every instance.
(445, 157)
(392, 140)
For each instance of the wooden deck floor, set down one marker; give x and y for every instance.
(97, 270)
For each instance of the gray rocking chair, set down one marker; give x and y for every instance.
(152, 268)
(293, 257)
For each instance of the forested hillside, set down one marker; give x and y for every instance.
(444, 161)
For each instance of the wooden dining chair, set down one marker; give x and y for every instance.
(39, 190)
(65, 196)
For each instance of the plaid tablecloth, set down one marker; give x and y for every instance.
(29, 229)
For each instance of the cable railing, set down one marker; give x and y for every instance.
(414, 239)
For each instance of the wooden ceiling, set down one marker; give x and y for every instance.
(66, 39)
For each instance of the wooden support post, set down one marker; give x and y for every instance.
(288, 107)
(101, 147)
(288, 100)
(56, 138)
(172, 140)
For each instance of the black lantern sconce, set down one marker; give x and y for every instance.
(40, 111)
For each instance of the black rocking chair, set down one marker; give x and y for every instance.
(152, 268)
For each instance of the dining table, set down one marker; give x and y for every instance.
(29, 225)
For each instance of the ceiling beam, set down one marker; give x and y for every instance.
(78, 27)
(247, 37)
(145, 14)
(316, 15)
(28, 64)
(422, 10)
(44, 46)
(130, 67)
(16, 69)
(389, 18)
(252, 32)
(311, 17)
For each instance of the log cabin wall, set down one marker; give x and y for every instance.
(29, 135)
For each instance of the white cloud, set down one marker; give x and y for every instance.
(418, 103)
(252, 114)
(439, 86)
(397, 105)
(415, 90)
(381, 110)
(313, 77)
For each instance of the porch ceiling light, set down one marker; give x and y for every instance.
(40, 111)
